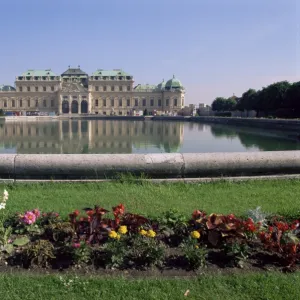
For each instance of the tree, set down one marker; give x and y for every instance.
(145, 112)
(223, 104)
(273, 96)
(246, 102)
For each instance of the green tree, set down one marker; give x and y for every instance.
(145, 112)
(273, 96)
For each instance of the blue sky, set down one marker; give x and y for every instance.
(215, 47)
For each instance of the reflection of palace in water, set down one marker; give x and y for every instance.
(90, 136)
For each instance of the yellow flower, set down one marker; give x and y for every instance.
(195, 234)
(151, 233)
(197, 247)
(122, 229)
(113, 234)
(118, 236)
(143, 232)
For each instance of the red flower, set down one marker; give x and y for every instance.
(196, 214)
(90, 212)
(119, 210)
(76, 213)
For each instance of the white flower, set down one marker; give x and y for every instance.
(2, 205)
(5, 195)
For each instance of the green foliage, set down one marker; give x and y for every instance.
(40, 253)
(174, 226)
(112, 255)
(145, 252)
(194, 254)
(237, 252)
(223, 104)
(81, 254)
(5, 234)
(61, 232)
(1, 113)
(145, 113)
(21, 241)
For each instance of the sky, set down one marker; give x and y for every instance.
(215, 47)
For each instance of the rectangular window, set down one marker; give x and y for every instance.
(5, 103)
(159, 102)
(13, 103)
(120, 88)
(175, 102)
(128, 102)
(104, 113)
(28, 102)
(120, 113)
(52, 103)
(20, 89)
(96, 88)
(144, 102)
(136, 102)
(28, 89)
(44, 103)
(167, 102)
(120, 102)
(44, 88)
(36, 103)
(96, 102)
(52, 88)
(112, 88)
(128, 88)
(112, 102)
(21, 103)
(151, 102)
(104, 102)
(36, 88)
(104, 88)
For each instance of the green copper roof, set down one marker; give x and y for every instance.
(173, 83)
(46, 72)
(6, 88)
(110, 73)
(161, 85)
(145, 87)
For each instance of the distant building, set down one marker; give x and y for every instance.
(105, 92)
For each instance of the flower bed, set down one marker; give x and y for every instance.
(97, 238)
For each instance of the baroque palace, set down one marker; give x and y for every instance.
(105, 92)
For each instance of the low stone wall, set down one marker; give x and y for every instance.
(278, 124)
(177, 165)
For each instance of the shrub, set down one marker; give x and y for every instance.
(194, 254)
(237, 252)
(145, 251)
(40, 253)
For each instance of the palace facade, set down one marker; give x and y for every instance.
(105, 92)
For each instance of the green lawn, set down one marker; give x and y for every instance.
(252, 286)
(278, 196)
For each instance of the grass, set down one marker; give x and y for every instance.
(276, 196)
(251, 286)
(151, 199)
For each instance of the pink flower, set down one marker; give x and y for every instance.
(76, 245)
(36, 212)
(29, 218)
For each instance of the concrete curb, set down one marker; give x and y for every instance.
(176, 165)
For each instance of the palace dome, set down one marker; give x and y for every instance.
(161, 85)
(7, 88)
(173, 83)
